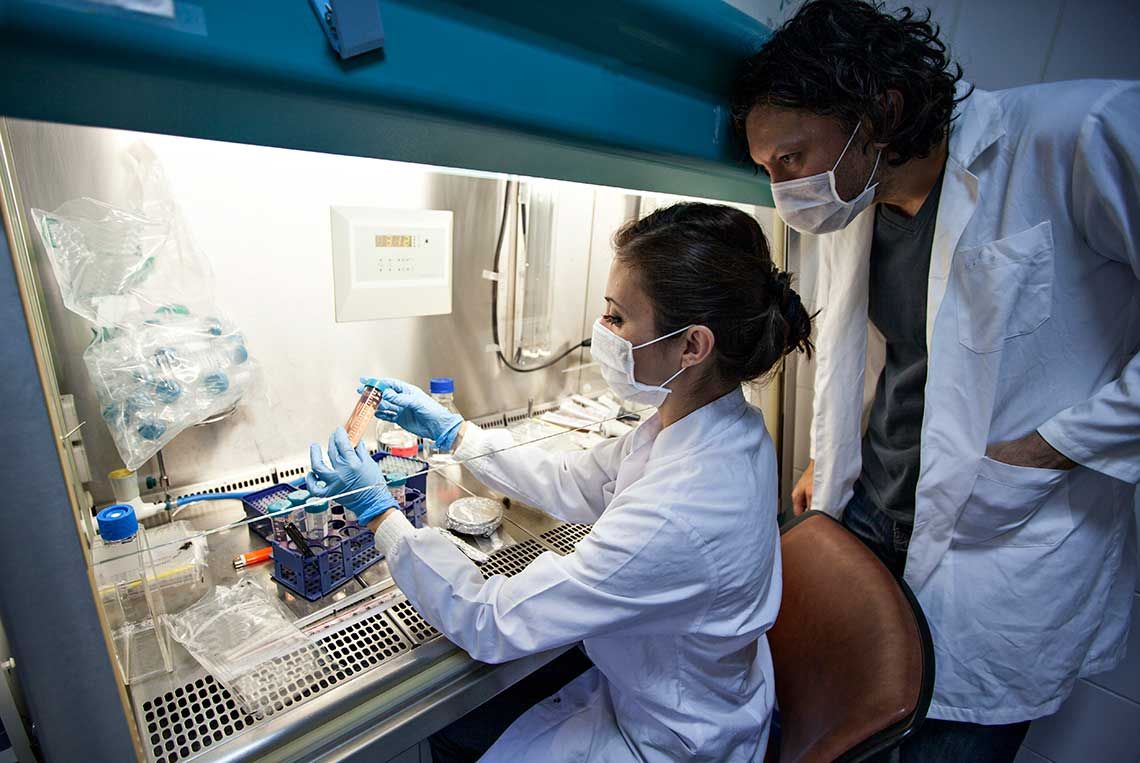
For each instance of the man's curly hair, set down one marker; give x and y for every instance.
(838, 58)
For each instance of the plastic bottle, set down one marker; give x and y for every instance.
(399, 442)
(362, 414)
(118, 524)
(207, 362)
(128, 576)
(442, 390)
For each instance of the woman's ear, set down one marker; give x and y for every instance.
(699, 344)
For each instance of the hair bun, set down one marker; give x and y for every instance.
(709, 264)
(799, 323)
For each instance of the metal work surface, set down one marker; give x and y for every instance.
(374, 639)
(194, 716)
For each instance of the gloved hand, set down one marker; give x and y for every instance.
(349, 469)
(415, 411)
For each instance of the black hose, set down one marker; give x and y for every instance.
(495, 297)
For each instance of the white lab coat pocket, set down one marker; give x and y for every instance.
(1005, 288)
(608, 490)
(1015, 506)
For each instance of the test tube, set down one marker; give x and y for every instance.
(297, 498)
(280, 516)
(316, 520)
(362, 414)
(298, 518)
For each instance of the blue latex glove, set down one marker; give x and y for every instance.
(349, 469)
(415, 411)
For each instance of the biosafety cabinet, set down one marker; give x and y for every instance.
(214, 224)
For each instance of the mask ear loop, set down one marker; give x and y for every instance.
(664, 386)
(658, 339)
(874, 169)
(844, 152)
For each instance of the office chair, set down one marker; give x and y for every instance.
(853, 657)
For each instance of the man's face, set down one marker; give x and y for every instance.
(793, 143)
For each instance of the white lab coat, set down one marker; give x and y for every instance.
(671, 592)
(1033, 322)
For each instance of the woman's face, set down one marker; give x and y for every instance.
(629, 314)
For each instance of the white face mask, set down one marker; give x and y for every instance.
(812, 204)
(614, 357)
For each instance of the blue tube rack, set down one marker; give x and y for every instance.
(348, 550)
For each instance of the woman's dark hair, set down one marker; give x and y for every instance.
(838, 58)
(709, 264)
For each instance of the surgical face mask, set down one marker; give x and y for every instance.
(812, 204)
(614, 357)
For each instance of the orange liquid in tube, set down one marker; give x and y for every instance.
(362, 414)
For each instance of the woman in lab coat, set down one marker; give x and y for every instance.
(677, 583)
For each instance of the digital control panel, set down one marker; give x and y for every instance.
(391, 263)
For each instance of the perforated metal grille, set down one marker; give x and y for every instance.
(365, 644)
(290, 472)
(514, 417)
(241, 483)
(565, 537)
(191, 718)
(491, 421)
(512, 559)
(181, 723)
(413, 623)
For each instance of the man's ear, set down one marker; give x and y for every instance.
(892, 104)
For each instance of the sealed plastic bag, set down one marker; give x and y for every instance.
(164, 357)
(246, 639)
(171, 371)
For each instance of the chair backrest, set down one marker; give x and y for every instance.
(852, 653)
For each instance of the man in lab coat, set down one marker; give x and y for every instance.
(990, 243)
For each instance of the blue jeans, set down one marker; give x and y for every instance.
(935, 741)
(888, 538)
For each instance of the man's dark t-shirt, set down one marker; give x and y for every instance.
(900, 267)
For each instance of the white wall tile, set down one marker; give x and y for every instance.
(1094, 725)
(1002, 44)
(1025, 755)
(1125, 680)
(1096, 38)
